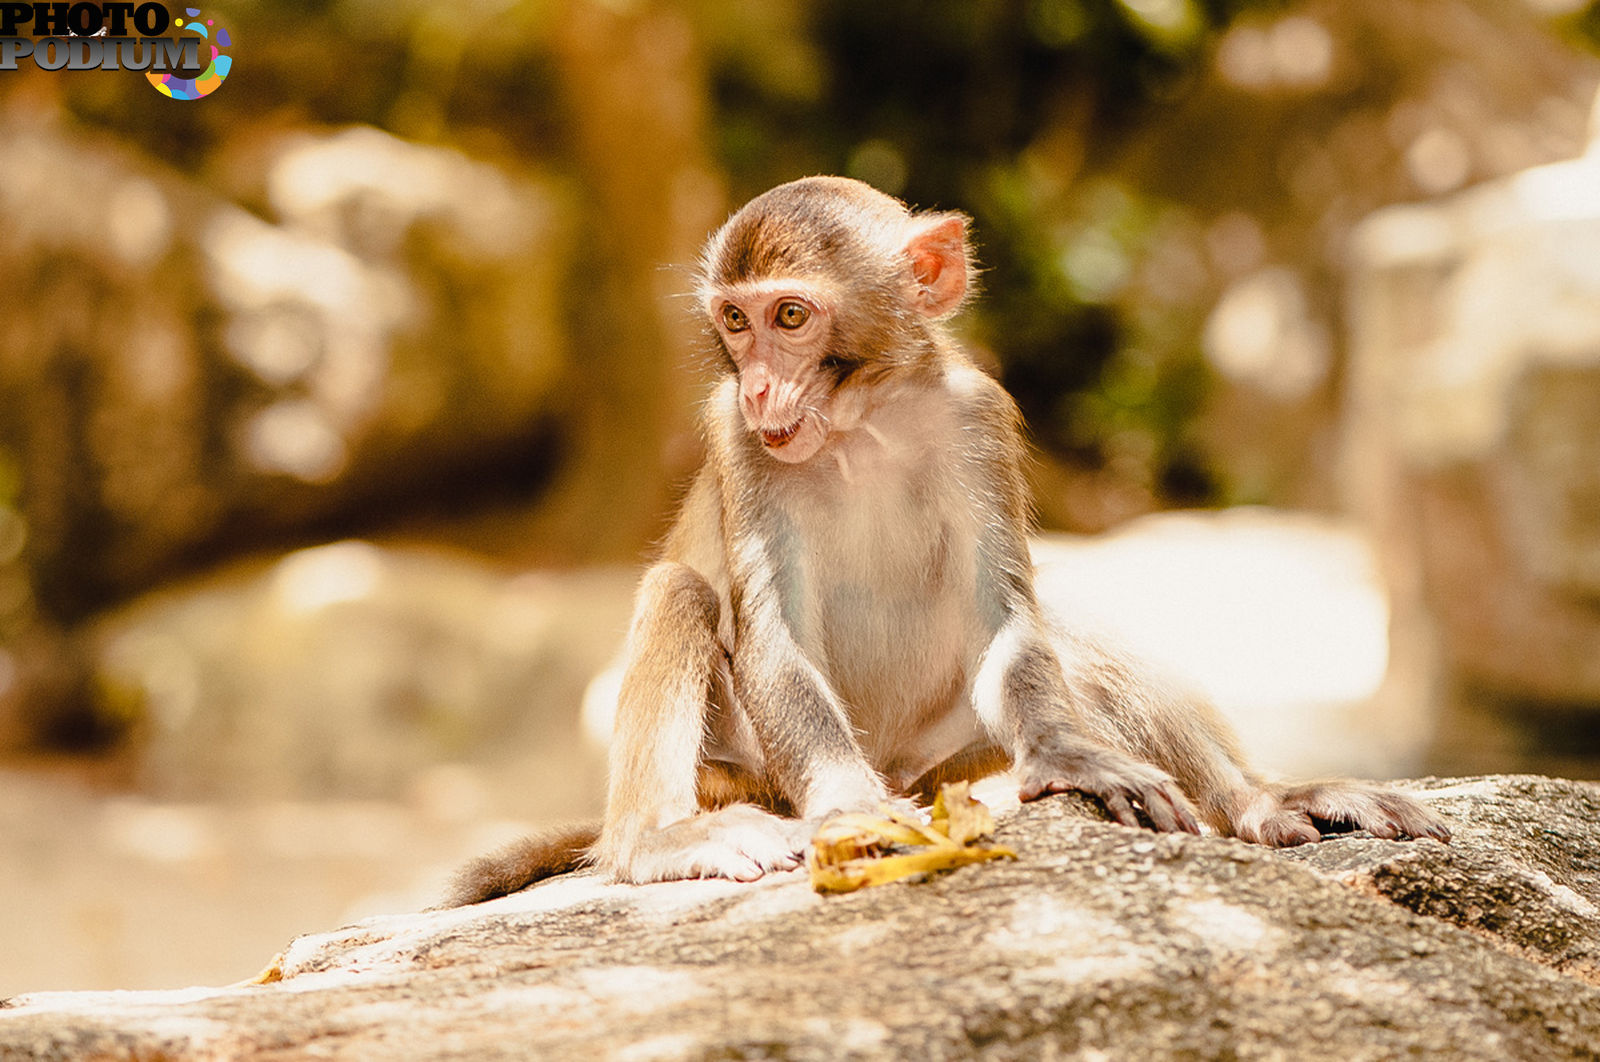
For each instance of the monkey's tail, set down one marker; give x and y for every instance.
(522, 863)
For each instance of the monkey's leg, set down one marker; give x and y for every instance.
(1023, 699)
(1337, 806)
(976, 761)
(1128, 707)
(653, 829)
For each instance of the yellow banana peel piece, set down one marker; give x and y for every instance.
(959, 815)
(854, 850)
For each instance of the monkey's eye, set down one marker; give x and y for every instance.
(734, 319)
(792, 314)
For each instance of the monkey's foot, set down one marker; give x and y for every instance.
(739, 842)
(1123, 785)
(1292, 815)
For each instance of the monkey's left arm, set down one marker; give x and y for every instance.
(1020, 693)
(1022, 698)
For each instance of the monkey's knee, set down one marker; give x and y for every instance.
(676, 593)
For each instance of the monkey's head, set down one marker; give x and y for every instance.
(822, 286)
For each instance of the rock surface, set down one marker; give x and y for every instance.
(1099, 942)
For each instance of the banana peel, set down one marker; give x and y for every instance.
(855, 850)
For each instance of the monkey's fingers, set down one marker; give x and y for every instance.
(1036, 788)
(1169, 811)
(1437, 830)
(734, 867)
(1117, 800)
(1121, 809)
(1284, 829)
(1164, 805)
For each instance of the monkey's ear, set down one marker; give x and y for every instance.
(939, 263)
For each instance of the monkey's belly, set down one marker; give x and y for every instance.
(901, 665)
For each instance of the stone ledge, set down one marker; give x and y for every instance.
(1098, 939)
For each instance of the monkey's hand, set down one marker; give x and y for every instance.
(739, 841)
(1124, 785)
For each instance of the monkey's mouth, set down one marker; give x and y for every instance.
(781, 437)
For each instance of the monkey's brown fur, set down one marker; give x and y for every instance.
(844, 612)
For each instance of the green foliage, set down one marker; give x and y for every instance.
(999, 108)
(1003, 108)
(1583, 26)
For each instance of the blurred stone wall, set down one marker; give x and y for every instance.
(175, 364)
(179, 371)
(1472, 432)
(1310, 117)
(263, 321)
(349, 670)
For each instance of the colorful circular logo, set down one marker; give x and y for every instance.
(211, 78)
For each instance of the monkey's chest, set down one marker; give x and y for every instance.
(886, 590)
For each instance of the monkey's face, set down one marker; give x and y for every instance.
(820, 290)
(777, 334)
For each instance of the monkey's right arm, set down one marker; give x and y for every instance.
(808, 747)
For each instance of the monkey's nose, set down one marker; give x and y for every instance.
(757, 396)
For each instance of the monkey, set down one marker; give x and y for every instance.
(844, 613)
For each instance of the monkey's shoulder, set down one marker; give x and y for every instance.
(978, 395)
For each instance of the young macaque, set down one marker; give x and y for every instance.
(844, 613)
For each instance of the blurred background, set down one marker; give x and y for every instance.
(339, 409)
